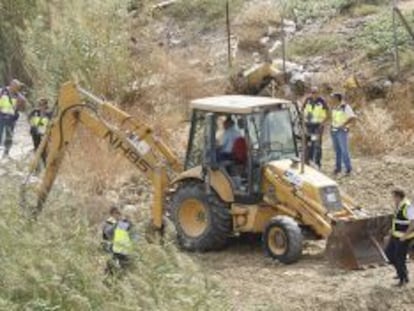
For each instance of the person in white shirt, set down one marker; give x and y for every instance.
(229, 137)
(342, 116)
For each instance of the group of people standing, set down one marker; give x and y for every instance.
(12, 104)
(319, 114)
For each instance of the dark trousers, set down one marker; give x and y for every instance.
(117, 264)
(396, 252)
(314, 143)
(37, 139)
(6, 132)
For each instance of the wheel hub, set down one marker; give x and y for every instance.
(192, 217)
(277, 241)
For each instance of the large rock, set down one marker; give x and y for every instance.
(275, 46)
(289, 27)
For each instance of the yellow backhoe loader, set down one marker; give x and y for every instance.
(262, 188)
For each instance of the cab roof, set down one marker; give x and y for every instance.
(242, 104)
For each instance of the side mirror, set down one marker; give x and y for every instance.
(209, 153)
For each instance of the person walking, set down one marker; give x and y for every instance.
(342, 116)
(39, 120)
(11, 102)
(315, 112)
(402, 232)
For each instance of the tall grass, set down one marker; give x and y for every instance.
(380, 130)
(84, 40)
(55, 264)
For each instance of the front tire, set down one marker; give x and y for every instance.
(203, 222)
(282, 240)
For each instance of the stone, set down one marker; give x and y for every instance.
(264, 41)
(290, 66)
(289, 27)
(387, 83)
(275, 46)
(174, 42)
(256, 57)
(272, 31)
(194, 62)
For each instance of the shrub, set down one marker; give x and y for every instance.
(365, 10)
(55, 264)
(380, 130)
(205, 13)
(313, 45)
(304, 10)
(252, 24)
(377, 36)
(83, 41)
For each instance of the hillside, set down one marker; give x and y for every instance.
(152, 58)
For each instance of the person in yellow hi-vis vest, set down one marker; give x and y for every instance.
(124, 238)
(39, 120)
(402, 233)
(342, 116)
(11, 102)
(315, 111)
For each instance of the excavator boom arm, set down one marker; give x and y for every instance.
(132, 139)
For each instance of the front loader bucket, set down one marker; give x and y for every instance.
(356, 244)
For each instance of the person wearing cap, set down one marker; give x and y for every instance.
(342, 116)
(229, 137)
(315, 111)
(108, 228)
(11, 102)
(124, 237)
(39, 120)
(402, 233)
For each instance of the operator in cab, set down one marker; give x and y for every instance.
(315, 111)
(402, 233)
(230, 135)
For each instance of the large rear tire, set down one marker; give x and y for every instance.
(283, 240)
(203, 222)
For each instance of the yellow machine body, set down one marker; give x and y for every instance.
(290, 198)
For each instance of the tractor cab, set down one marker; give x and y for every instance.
(239, 134)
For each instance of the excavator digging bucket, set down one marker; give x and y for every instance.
(357, 244)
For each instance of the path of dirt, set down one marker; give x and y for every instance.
(21, 149)
(256, 283)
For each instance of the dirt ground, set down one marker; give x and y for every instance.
(257, 283)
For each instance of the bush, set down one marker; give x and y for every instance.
(382, 129)
(54, 264)
(377, 36)
(86, 42)
(13, 14)
(304, 10)
(253, 23)
(315, 45)
(365, 10)
(205, 13)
